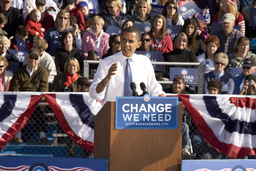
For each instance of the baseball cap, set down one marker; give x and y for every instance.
(228, 17)
(82, 4)
(34, 52)
(41, 1)
(249, 62)
(66, 3)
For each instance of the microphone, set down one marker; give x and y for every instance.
(133, 88)
(143, 88)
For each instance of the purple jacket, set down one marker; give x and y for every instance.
(89, 40)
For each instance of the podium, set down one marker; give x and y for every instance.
(136, 149)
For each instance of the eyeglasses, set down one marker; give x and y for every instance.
(65, 18)
(1, 66)
(142, 7)
(117, 42)
(170, 7)
(110, 7)
(244, 67)
(35, 58)
(147, 40)
(217, 63)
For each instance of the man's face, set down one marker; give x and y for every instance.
(248, 70)
(146, 41)
(33, 61)
(213, 90)
(5, 4)
(228, 27)
(85, 10)
(129, 43)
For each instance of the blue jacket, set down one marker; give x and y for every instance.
(238, 80)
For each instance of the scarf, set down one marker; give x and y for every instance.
(70, 79)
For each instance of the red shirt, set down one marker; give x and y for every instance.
(34, 27)
(76, 13)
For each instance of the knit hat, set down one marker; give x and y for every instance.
(204, 16)
(82, 4)
(233, 2)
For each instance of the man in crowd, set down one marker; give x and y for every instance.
(115, 73)
(228, 35)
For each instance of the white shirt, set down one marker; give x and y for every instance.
(31, 72)
(180, 22)
(142, 71)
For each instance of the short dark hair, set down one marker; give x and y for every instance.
(91, 54)
(112, 39)
(132, 30)
(216, 84)
(126, 21)
(145, 34)
(83, 81)
(3, 19)
(64, 35)
(22, 31)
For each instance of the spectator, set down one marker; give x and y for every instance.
(33, 77)
(127, 23)
(5, 76)
(145, 43)
(241, 53)
(67, 81)
(93, 5)
(195, 42)
(228, 35)
(250, 31)
(128, 7)
(68, 51)
(19, 42)
(114, 16)
(203, 19)
(249, 87)
(4, 46)
(180, 52)
(160, 40)
(171, 13)
(13, 16)
(34, 26)
(248, 69)
(114, 45)
(46, 20)
(220, 62)
(228, 6)
(46, 61)
(53, 35)
(142, 13)
(95, 39)
(214, 87)
(92, 55)
(3, 22)
(212, 45)
(83, 6)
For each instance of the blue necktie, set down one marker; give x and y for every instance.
(127, 78)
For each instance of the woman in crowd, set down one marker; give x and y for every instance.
(195, 42)
(228, 6)
(95, 39)
(160, 40)
(53, 35)
(127, 23)
(5, 76)
(114, 16)
(241, 53)
(170, 11)
(220, 62)
(115, 45)
(142, 13)
(212, 45)
(67, 81)
(179, 53)
(67, 51)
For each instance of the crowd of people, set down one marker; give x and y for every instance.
(59, 35)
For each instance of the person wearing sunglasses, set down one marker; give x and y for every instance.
(249, 67)
(146, 42)
(114, 46)
(142, 13)
(170, 11)
(220, 61)
(249, 87)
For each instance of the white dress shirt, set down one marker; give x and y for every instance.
(142, 71)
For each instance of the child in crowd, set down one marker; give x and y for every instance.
(92, 55)
(34, 26)
(3, 21)
(19, 42)
(203, 18)
(83, 6)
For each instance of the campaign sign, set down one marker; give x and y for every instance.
(190, 75)
(154, 56)
(173, 31)
(220, 165)
(146, 112)
(112, 30)
(19, 54)
(188, 10)
(92, 11)
(48, 164)
(252, 17)
(142, 27)
(156, 9)
(235, 71)
(201, 58)
(216, 26)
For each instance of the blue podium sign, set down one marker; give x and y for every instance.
(252, 17)
(188, 10)
(174, 31)
(154, 56)
(146, 112)
(190, 75)
(142, 27)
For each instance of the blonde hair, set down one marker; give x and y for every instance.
(62, 12)
(97, 18)
(5, 39)
(230, 9)
(143, 2)
(221, 56)
(33, 12)
(42, 43)
(71, 61)
(5, 61)
(182, 35)
(116, 3)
